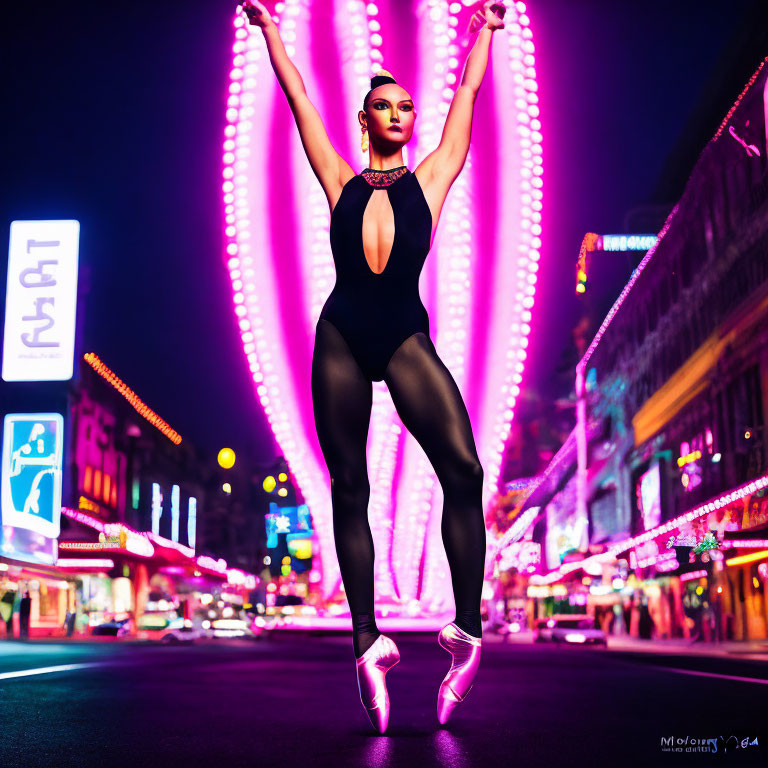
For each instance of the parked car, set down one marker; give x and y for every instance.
(113, 628)
(181, 633)
(229, 627)
(569, 628)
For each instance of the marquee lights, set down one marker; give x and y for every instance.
(135, 541)
(728, 116)
(703, 509)
(722, 501)
(141, 407)
(139, 542)
(276, 329)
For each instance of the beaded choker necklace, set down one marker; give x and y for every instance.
(383, 178)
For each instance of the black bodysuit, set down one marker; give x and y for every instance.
(374, 327)
(376, 312)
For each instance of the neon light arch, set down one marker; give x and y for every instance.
(478, 283)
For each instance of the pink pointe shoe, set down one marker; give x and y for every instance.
(372, 668)
(465, 652)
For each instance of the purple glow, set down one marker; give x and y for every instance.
(478, 283)
(634, 541)
(84, 562)
(633, 279)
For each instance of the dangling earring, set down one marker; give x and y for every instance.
(364, 140)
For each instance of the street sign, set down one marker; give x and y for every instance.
(41, 298)
(33, 449)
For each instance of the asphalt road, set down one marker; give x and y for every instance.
(292, 700)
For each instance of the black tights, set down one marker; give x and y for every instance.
(430, 406)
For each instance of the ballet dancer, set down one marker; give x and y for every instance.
(374, 327)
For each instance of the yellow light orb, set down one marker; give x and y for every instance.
(227, 488)
(269, 484)
(226, 458)
(282, 477)
(282, 492)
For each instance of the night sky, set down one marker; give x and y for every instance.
(113, 114)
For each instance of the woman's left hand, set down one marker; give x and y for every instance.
(490, 15)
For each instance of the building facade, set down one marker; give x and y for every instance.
(657, 503)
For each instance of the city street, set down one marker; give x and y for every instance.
(337, 334)
(293, 700)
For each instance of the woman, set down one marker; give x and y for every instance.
(373, 327)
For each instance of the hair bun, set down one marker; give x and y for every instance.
(381, 77)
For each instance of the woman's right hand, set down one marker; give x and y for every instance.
(257, 13)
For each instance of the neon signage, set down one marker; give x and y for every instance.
(192, 522)
(174, 513)
(157, 507)
(41, 297)
(649, 497)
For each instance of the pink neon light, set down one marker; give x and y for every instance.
(248, 580)
(728, 117)
(471, 295)
(693, 514)
(138, 542)
(83, 518)
(76, 562)
(687, 517)
(220, 565)
(163, 542)
(746, 543)
(693, 575)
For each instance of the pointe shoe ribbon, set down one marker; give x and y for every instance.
(372, 668)
(465, 659)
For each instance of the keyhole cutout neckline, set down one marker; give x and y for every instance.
(374, 188)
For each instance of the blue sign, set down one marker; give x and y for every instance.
(33, 448)
(287, 520)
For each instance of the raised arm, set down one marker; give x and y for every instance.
(328, 166)
(441, 167)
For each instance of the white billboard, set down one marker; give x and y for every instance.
(41, 298)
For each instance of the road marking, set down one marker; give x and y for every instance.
(714, 674)
(45, 670)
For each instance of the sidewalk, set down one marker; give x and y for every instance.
(755, 649)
